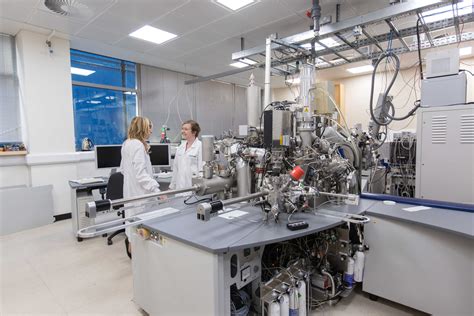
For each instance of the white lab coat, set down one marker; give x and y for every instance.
(187, 164)
(137, 174)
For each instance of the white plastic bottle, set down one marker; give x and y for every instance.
(349, 273)
(284, 305)
(302, 297)
(294, 302)
(274, 309)
(359, 261)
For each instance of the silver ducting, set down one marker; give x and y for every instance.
(306, 82)
(214, 185)
(207, 148)
(254, 104)
(243, 177)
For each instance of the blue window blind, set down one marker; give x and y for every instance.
(104, 98)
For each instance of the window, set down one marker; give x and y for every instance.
(104, 98)
(10, 120)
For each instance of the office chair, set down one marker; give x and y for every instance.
(115, 191)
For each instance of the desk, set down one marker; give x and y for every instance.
(422, 259)
(188, 266)
(81, 194)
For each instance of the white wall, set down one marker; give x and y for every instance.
(46, 93)
(46, 101)
(166, 99)
(357, 95)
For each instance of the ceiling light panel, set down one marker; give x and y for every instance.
(446, 12)
(152, 34)
(235, 5)
(329, 42)
(361, 69)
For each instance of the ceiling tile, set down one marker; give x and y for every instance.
(288, 26)
(190, 16)
(112, 23)
(184, 44)
(135, 44)
(54, 22)
(206, 36)
(144, 10)
(257, 15)
(298, 5)
(164, 51)
(97, 34)
(18, 11)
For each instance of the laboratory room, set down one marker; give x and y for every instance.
(237, 157)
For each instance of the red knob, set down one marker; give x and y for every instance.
(296, 173)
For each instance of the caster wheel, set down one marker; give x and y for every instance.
(109, 242)
(373, 297)
(104, 235)
(79, 239)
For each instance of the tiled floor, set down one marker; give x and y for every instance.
(45, 271)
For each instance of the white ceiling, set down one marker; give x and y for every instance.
(208, 34)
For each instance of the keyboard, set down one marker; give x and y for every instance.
(89, 180)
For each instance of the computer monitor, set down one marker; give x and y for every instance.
(160, 155)
(108, 156)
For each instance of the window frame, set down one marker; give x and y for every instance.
(122, 89)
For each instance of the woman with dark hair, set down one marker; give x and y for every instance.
(188, 158)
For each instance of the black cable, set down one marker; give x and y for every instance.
(465, 70)
(261, 115)
(397, 69)
(197, 200)
(419, 46)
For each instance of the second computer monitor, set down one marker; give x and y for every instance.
(108, 156)
(160, 155)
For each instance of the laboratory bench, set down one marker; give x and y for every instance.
(422, 259)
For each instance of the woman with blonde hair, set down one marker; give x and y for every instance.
(136, 166)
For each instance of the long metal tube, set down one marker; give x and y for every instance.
(244, 198)
(316, 16)
(104, 205)
(151, 195)
(210, 209)
(268, 67)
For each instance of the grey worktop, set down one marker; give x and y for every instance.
(458, 222)
(79, 186)
(222, 235)
(105, 180)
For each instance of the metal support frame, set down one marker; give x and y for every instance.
(426, 29)
(339, 36)
(387, 15)
(328, 30)
(294, 46)
(333, 51)
(371, 39)
(397, 34)
(456, 21)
